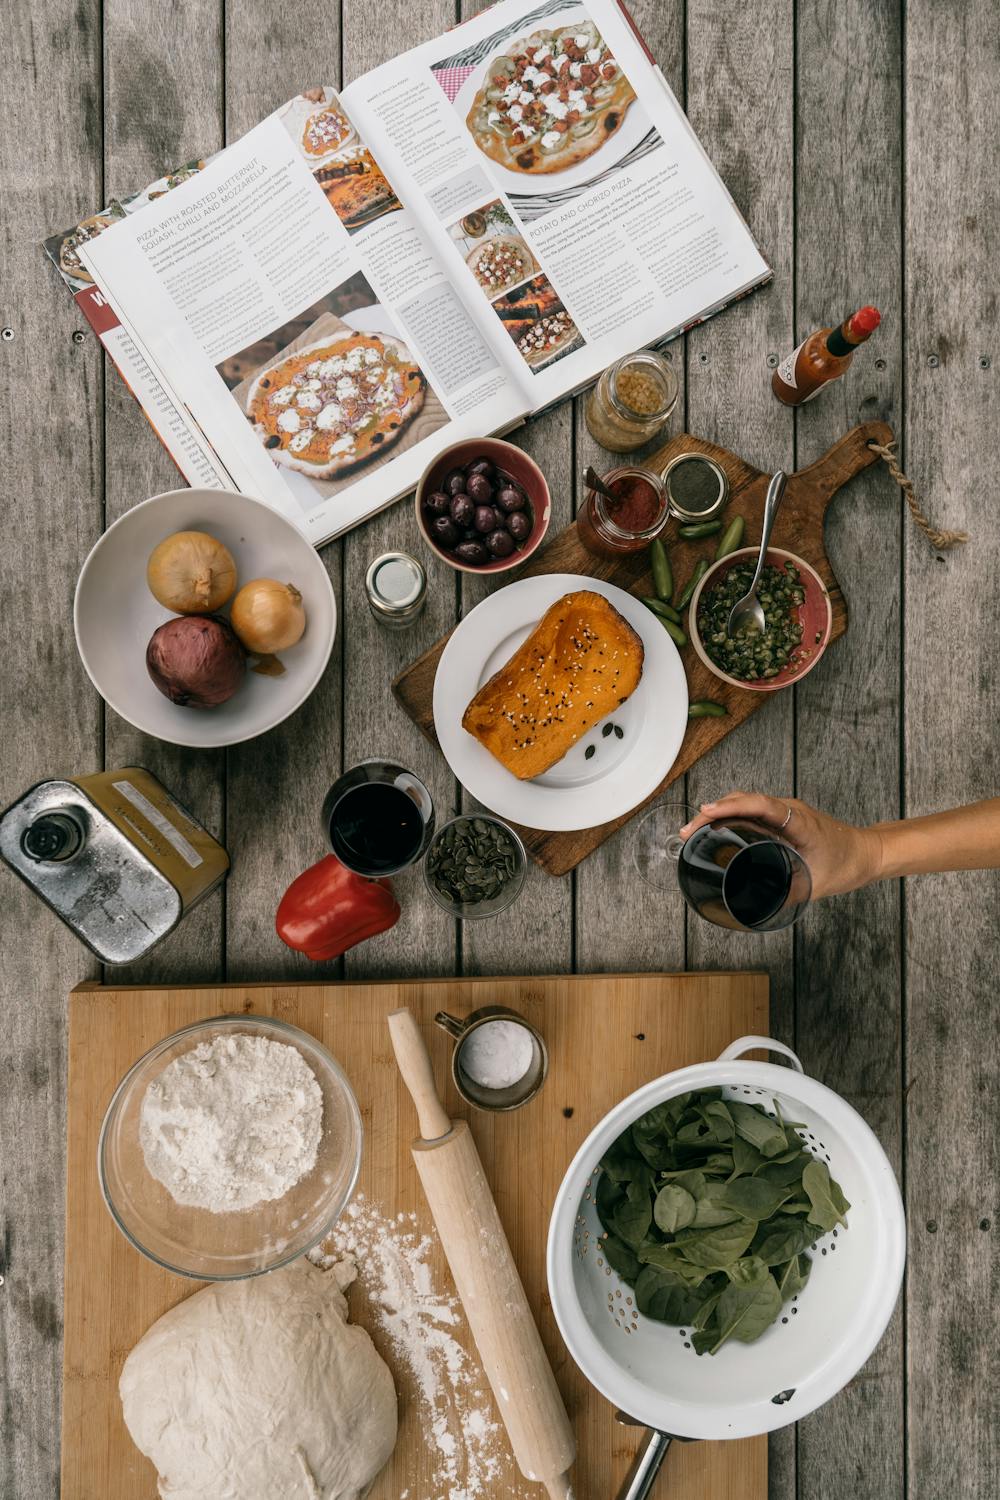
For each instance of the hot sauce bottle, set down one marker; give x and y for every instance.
(822, 357)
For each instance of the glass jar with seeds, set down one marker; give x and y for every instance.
(475, 866)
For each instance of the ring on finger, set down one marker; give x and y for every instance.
(788, 814)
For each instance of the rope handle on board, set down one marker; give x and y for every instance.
(940, 539)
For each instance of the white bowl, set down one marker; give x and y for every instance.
(649, 1369)
(114, 614)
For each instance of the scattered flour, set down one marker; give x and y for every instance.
(420, 1323)
(233, 1122)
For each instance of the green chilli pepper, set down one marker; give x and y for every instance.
(675, 632)
(731, 538)
(706, 709)
(699, 529)
(700, 569)
(663, 578)
(665, 611)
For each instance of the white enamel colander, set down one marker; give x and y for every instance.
(822, 1337)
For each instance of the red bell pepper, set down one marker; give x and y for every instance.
(328, 909)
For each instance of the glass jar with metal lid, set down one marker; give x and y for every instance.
(697, 488)
(396, 586)
(631, 401)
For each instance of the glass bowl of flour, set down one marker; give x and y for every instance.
(230, 1148)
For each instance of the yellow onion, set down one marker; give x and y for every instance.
(268, 616)
(191, 573)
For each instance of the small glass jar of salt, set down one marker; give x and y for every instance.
(396, 586)
(500, 1060)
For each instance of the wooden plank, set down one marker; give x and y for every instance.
(685, 1018)
(950, 690)
(276, 784)
(425, 940)
(52, 455)
(162, 92)
(848, 709)
(739, 100)
(620, 921)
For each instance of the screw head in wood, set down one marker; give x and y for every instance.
(6, 334)
(984, 361)
(933, 361)
(78, 335)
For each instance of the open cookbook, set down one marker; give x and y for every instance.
(458, 239)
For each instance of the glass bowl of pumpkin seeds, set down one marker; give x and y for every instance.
(475, 866)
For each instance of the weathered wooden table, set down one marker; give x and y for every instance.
(860, 141)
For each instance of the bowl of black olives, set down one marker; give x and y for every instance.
(483, 505)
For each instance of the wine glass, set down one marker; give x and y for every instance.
(735, 872)
(379, 818)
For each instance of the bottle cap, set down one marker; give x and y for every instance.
(866, 320)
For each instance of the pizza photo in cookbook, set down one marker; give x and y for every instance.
(333, 393)
(542, 329)
(64, 249)
(318, 124)
(356, 188)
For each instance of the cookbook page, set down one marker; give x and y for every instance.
(562, 176)
(293, 302)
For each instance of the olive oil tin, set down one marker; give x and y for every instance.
(114, 855)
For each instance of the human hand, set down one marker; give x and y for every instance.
(840, 856)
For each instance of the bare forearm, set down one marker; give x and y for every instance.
(967, 838)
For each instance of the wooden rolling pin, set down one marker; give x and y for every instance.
(485, 1274)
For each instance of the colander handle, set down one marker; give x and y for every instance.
(765, 1044)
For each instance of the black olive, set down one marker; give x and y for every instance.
(481, 466)
(455, 482)
(485, 519)
(500, 543)
(462, 510)
(473, 553)
(501, 517)
(510, 499)
(437, 502)
(519, 525)
(479, 487)
(444, 531)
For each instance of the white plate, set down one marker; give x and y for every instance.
(575, 792)
(634, 126)
(114, 614)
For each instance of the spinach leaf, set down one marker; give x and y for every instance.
(620, 1161)
(781, 1238)
(752, 1198)
(718, 1162)
(754, 1126)
(660, 1295)
(746, 1158)
(690, 1179)
(704, 1315)
(745, 1311)
(673, 1208)
(829, 1206)
(784, 1173)
(634, 1214)
(669, 1258)
(747, 1270)
(703, 1340)
(653, 1132)
(606, 1199)
(791, 1278)
(620, 1258)
(716, 1248)
(709, 1211)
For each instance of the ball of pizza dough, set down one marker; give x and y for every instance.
(254, 1389)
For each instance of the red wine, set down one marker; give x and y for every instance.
(376, 828)
(736, 875)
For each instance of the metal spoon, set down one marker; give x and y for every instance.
(590, 478)
(746, 613)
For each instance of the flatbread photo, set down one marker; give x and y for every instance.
(538, 323)
(64, 249)
(356, 188)
(318, 124)
(334, 405)
(550, 100)
(501, 262)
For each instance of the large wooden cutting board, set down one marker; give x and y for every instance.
(799, 529)
(606, 1036)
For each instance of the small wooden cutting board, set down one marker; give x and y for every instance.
(606, 1036)
(798, 529)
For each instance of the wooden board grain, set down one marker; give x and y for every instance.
(638, 1027)
(799, 528)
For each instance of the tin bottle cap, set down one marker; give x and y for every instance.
(55, 836)
(395, 582)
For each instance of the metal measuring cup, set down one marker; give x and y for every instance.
(478, 1095)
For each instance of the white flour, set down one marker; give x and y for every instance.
(497, 1054)
(234, 1122)
(420, 1323)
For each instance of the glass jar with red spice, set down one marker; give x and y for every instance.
(629, 521)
